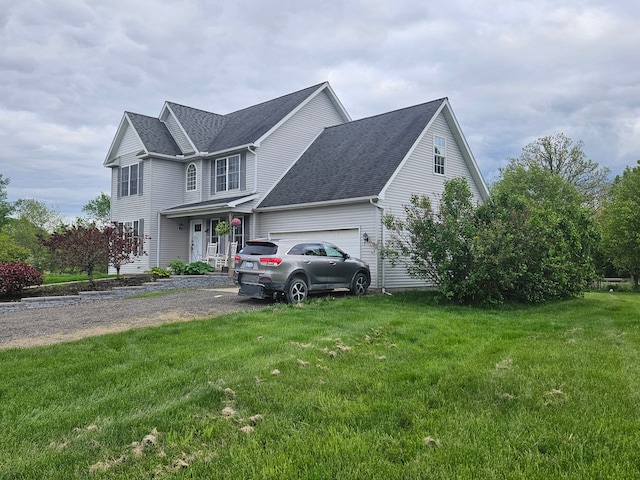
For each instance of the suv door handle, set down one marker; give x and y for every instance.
(332, 262)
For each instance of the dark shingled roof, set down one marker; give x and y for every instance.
(354, 159)
(211, 132)
(248, 125)
(154, 134)
(199, 125)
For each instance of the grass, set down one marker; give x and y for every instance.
(51, 278)
(355, 388)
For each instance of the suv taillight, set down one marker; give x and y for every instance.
(271, 261)
(237, 258)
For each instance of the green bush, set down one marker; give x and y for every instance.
(198, 268)
(177, 266)
(158, 272)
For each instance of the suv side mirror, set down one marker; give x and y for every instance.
(346, 256)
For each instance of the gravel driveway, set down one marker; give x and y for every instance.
(52, 324)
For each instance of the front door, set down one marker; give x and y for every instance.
(196, 241)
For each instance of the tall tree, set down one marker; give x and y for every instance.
(6, 207)
(561, 156)
(99, 209)
(620, 222)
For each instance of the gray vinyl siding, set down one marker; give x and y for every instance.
(362, 216)
(132, 208)
(417, 177)
(129, 143)
(177, 134)
(283, 147)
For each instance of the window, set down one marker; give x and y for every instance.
(130, 180)
(132, 236)
(227, 173)
(192, 178)
(439, 154)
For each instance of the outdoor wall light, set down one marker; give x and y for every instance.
(365, 237)
(180, 227)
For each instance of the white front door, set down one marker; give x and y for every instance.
(196, 241)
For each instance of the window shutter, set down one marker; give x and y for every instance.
(140, 177)
(243, 171)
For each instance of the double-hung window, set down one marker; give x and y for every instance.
(227, 173)
(439, 154)
(130, 180)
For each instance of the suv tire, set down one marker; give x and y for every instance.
(360, 284)
(298, 291)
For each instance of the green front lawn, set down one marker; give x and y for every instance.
(353, 388)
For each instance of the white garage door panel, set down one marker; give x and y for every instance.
(347, 240)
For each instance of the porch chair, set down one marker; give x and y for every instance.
(223, 260)
(212, 252)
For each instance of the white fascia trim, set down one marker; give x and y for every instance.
(336, 101)
(328, 203)
(167, 107)
(242, 200)
(118, 138)
(412, 149)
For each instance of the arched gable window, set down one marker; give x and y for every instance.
(192, 177)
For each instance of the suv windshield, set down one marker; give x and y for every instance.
(259, 248)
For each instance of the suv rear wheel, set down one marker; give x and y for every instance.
(297, 291)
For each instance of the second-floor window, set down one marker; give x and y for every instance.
(227, 173)
(439, 154)
(130, 182)
(192, 178)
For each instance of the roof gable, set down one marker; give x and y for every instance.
(154, 134)
(353, 160)
(249, 125)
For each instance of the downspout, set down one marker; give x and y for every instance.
(382, 272)
(158, 241)
(255, 189)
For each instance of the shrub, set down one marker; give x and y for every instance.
(158, 272)
(177, 266)
(15, 276)
(198, 268)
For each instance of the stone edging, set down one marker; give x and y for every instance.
(171, 283)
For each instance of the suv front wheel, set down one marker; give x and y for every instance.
(360, 284)
(297, 291)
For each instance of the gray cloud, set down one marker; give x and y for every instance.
(513, 70)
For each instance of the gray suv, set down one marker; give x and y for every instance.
(290, 269)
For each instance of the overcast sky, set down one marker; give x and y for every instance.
(513, 71)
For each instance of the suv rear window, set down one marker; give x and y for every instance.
(259, 248)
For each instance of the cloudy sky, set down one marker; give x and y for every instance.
(514, 71)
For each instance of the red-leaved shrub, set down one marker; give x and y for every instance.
(15, 276)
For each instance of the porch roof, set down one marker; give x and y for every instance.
(208, 206)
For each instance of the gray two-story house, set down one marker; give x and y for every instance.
(295, 166)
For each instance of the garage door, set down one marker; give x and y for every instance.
(347, 240)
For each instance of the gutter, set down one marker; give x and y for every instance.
(300, 206)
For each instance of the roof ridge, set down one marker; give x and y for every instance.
(279, 98)
(388, 113)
